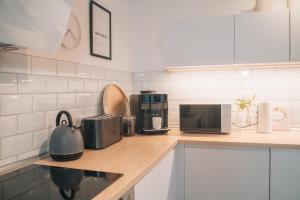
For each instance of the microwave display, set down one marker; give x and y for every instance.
(200, 118)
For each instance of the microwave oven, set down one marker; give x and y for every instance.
(205, 118)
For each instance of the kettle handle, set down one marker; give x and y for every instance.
(70, 122)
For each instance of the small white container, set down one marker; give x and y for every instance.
(265, 118)
(156, 123)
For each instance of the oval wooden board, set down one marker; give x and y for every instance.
(115, 102)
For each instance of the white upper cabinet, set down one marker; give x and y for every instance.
(285, 174)
(198, 41)
(295, 35)
(262, 37)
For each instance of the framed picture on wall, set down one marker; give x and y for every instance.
(100, 31)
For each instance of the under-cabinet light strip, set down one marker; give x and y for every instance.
(234, 66)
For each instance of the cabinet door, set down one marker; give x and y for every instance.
(262, 37)
(217, 173)
(199, 41)
(285, 174)
(160, 183)
(295, 35)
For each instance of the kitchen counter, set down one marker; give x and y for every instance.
(136, 156)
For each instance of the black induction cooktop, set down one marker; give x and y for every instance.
(37, 182)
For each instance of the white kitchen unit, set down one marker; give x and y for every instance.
(200, 41)
(161, 182)
(224, 173)
(285, 174)
(262, 37)
(295, 33)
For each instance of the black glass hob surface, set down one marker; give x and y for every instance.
(37, 182)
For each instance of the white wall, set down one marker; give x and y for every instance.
(120, 37)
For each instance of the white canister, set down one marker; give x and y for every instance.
(156, 123)
(265, 118)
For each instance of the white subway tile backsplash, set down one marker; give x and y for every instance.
(91, 111)
(43, 102)
(91, 85)
(31, 153)
(7, 161)
(252, 84)
(83, 71)
(220, 74)
(14, 145)
(179, 95)
(122, 76)
(127, 87)
(158, 76)
(177, 76)
(242, 74)
(228, 84)
(110, 74)
(173, 105)
(287, 95)
(66, 100)
(288, 72)
(140, 76)
(150, 86)
(75, 85)
(97, 98)
(31, 122)
(84, 99)
(8, 126)
(40, 138)
(295, 118)
(200, 75)
(33, 90)
(31, 84)
(98, 72)
(15, 104)
(43, 66)
(15, 63)
(51, 118)
(136, 87)
(56, 84)
(295, 107)
(265, 73)
(168, 86)
(188, 85)
(66, 69)
(101, 85)
(173, 118)
(8, 83)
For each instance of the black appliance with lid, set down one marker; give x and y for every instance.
(145, 107)
(37, 182)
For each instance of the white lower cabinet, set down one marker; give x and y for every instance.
(285, 174)
(223, 173)
(160, 183)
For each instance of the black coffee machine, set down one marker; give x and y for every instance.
(145, 107)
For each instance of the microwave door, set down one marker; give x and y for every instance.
(200, 118)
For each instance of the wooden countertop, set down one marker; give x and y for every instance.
(135, 156)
